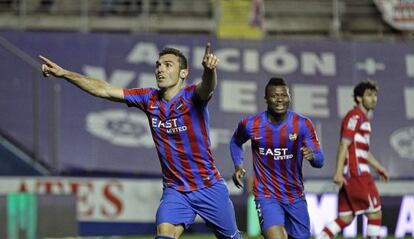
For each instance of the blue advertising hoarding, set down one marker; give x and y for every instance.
(96, 135)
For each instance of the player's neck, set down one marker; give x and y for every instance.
(363, 109)
(275, 118)
(169, 93)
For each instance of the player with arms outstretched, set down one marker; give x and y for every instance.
(179, 123)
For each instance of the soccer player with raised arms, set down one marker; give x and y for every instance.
(280, 141)
(179, 122)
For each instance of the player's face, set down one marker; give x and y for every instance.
(167, 71)
(278, 99)
(369, 99)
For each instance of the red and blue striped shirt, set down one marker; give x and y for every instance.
(277, 158)
(180, 132)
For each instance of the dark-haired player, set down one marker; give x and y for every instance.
(280, 141)
(178, 119)
(358, 193)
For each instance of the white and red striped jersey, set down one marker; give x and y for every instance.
(357, 129)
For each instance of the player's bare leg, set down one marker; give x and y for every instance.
(347, 218)
(275, 232)
(170, 230)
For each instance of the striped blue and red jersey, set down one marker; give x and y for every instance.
(180, 130)
(277, 158)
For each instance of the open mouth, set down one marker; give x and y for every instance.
(160, 78)
(279, 107)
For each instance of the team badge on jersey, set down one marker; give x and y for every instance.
(293, 136)
(180, 106)
(352, 123)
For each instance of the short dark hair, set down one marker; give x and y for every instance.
(275, 81)
(362, 86)
(182, 60)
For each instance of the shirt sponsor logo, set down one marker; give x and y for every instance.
(171, 126)
(277, 153)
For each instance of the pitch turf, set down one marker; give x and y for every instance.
(193, 236)
(206, 236)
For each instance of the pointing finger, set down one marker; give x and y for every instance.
(207, 51)
(47, 61)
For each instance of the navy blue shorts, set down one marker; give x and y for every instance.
(212, 204)
(293, 216)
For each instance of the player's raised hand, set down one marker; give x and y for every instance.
(51, 68)
(238, 174)
(210, 61)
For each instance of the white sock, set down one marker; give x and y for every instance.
(332, 229)
(322, 235)
(373, 231)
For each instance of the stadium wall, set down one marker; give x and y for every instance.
(113, 206)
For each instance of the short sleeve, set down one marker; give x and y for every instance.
(137, 97)
(349, 126)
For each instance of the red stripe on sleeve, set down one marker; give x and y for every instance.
(313, 135)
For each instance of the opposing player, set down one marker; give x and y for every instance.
(178, 119)
(280, 140)
(358, 193)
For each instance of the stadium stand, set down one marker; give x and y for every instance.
(348, 19)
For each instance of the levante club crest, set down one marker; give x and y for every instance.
(293, 136)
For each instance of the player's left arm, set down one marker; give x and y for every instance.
(381, 171)
(312, 150)
(208, 82)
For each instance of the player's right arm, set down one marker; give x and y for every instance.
(339, 178)
(95, 87)
(236, 150)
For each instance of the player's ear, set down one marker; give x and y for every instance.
(359, 99)
(183, 73)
